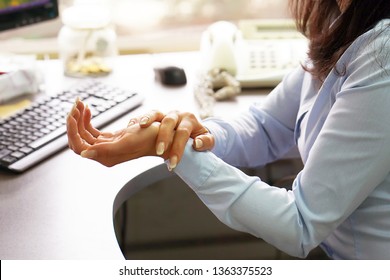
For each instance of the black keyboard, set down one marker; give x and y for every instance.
(39, 131)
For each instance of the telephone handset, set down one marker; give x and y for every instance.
(257, 52)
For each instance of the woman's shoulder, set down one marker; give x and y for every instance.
(378, 37)
(372, 45)
(367, 61)
(382, 25)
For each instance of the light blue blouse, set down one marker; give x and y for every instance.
(341, 198)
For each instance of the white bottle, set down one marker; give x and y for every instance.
(87, 41)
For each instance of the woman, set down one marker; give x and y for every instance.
(334, 108)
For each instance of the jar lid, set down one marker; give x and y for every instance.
(86, 17)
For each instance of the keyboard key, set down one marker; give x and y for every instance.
(4, 152)
(26, 150)
(47, 138)
(8, 159)
(17, 155)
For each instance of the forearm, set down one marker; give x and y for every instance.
(245, 203)
(254, 139)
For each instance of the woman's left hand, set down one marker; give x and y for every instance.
(175, 130)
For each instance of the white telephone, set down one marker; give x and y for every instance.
(258, 53)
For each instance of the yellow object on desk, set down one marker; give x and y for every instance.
(7, 110)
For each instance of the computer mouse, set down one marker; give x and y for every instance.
(171, 75)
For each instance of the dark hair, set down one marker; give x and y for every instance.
(331, 32)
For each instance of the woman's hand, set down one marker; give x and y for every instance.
(175, 130)
(105, 147)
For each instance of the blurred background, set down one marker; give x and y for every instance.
(147, 26)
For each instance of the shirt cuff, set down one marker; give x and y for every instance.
(220, 136)
(195, 167)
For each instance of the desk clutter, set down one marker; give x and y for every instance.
(216, 85)
(18, 75)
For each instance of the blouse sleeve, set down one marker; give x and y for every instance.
(265, 132)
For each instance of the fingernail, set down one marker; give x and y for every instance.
(70, 113)
(160, 148)
(172, 163)
(131, 123)
(144, 120)
(198, 143)
(74, 104)
(88, 154)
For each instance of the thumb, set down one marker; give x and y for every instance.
(204, 142)
(90, 154)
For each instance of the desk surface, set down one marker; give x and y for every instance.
(63, 208)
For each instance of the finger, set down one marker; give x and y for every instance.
(74, 111)
(88, 125)
(182, 134)
(76, 143)
(166, 132)
(151, 117)
(71, 124)
(84, 133)
(204, 142)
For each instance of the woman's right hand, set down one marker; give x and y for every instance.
(179, 126)
(108, 148)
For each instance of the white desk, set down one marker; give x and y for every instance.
(63, 208)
